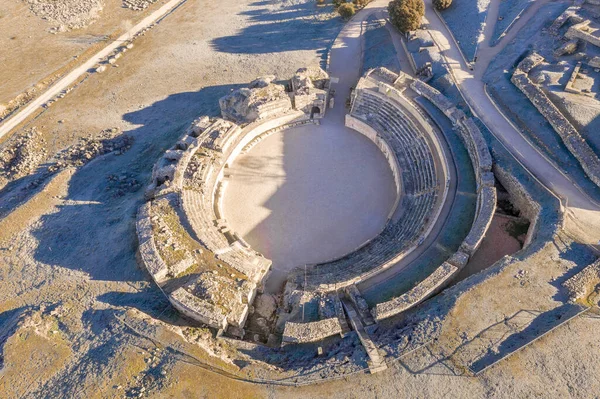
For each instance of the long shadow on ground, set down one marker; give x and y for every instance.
(299, 26)
(94, 230)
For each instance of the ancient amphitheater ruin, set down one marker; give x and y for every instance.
(244, 199)
(212, 275)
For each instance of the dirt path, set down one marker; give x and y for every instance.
(473, 90)
(72, 76)
(345, 65)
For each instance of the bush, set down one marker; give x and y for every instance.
(338, 3)
(346, 10)
(406, 15)
(361, 3)
(442, 4)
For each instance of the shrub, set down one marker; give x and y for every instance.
(361, 3)
(406, 15)
(346, 10)
(442, 4)
(338, 3)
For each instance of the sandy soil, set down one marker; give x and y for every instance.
(309, 194)
(33, 57)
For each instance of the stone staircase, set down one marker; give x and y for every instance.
(376, 361)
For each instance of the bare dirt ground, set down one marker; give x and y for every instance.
(309, 194)
(78, 318)
(34, 58)
(499, 241)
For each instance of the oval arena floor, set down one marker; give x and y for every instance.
(309, 194)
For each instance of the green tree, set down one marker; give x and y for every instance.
(406, 15)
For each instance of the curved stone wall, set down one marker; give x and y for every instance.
(570, 136)
(486, 205)
(189, 181)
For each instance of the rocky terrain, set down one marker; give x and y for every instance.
(79, 317)
(65, 15)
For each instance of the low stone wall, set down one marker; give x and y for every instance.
(197, 309)
(299, 333)
(417, 294)
(569, 13)
(583, 31)
(486, 205)
(580, 285)
(570, 136)
(147, 250)
(483, 219)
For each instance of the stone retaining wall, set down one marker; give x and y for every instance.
(480, 158)
(298, 333)
(521, 199)
(417, 294)
(580, 285)
(570, 136)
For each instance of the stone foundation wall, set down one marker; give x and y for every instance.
(298, 333)
(580, 285)
(417, 294)
(520, 198)
(570, 136)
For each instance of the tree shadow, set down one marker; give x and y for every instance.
(299, 26)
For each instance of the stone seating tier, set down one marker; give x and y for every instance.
(420, 186)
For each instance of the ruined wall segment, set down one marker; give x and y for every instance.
(570, 136)
(486, 205)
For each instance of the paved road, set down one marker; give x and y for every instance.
(473, 90)
(345, 65)
(72, 76)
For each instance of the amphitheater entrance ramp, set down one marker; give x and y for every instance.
(376, 362)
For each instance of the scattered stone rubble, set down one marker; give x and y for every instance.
(66, 14)
(138, 5)
(24, 155)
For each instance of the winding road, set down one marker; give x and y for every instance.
(583, 212)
